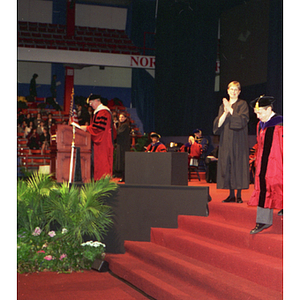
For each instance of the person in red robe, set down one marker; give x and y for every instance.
(155, 145)
(268, 186)
(193, 148)
(102, 137)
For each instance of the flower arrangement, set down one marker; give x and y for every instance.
(40, 251)
(53, 219)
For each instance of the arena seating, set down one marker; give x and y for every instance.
(53, 36)
(31, 160)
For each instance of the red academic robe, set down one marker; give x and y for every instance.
(101, 132)
(268, 187)
(157, 147)
(194, 150)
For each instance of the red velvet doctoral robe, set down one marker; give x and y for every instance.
(101, 131)
(157, 147)
(268, 186)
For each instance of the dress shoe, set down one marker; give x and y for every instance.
(280, 213)
(229, 199)
(239, 200)
(259, 227)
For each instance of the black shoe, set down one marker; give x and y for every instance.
(280, 213)
(259, 227)
(229, 199)
(239, 200)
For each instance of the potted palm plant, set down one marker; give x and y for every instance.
(53, 220)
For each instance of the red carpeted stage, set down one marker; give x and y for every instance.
(205, 257)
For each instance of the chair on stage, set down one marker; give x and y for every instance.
(194, 167)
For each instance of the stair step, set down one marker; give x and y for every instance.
(241, 262)
(241, 214)
(152, 280)
(267, 242)
(217, 282)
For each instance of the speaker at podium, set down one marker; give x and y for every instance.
(61, 154)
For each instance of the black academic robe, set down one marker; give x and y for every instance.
(123, 145)
(233, 163)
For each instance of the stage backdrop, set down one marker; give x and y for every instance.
(186, 52)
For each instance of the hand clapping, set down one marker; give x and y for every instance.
(227, 106)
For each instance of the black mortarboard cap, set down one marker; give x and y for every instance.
(93, 97)
(154, 134)
(262, 101)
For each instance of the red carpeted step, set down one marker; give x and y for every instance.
(153, 280)
(248, 264)
(221, 283)
(77, 285)
(241, 214)
(265, 242)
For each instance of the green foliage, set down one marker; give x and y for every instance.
(82, 211)
(140, 143)
(75, 212)
(31, 197)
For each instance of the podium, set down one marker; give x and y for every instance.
(156, 168)
(61, 153)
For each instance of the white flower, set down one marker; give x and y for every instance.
(98, 244)
(64, 230)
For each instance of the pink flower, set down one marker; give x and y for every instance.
(48, 257)
(52, 233)
(41, 251)
(63, 256)
(37, 231)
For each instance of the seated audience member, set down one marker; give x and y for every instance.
(40, 128)
(192, 148)
(82, 115)
(28, 118)
(90, 114)
(211, 162)
(21, 118)
(201, 140)
(156, 145)
(21, 128)
(45, 139)
(34, 140)
(37, 120)
(50, 122)
(28, 129)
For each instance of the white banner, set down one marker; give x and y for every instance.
(85, 58)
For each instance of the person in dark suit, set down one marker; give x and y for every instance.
(32, 86)
(123, 144)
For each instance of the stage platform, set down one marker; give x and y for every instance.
(138, 208)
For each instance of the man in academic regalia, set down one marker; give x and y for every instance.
(268, 188)
(102, 137)
(155, 145)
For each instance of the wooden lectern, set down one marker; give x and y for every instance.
(61, 153)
